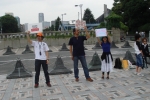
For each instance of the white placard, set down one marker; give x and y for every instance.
(35, 28)
(80, 24)
(101, 32)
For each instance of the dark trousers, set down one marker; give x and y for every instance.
(84, 65)
(38, 64)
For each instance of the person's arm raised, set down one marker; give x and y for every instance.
(28, 37)
(99, 41)
(108, 38)
(87, 33)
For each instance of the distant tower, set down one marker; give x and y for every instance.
(18, 21)
(41, 17)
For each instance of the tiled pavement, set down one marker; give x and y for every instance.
(122, 85)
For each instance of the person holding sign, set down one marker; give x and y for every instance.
(41, 57)
(106, 55)
(77, 53)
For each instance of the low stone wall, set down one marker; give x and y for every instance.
(18, 40)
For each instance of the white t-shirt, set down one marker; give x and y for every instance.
(137, 51)
(40, 47)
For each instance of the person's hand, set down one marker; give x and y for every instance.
(72, 58)
(47, 61)
(85, 28)
(28, 32)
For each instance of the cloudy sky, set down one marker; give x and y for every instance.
(28, 10)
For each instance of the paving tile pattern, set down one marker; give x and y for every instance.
(122, 85)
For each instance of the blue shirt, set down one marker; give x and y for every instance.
(106, 46)
(78, 45)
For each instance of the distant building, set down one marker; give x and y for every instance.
(22, 27)
(53, 23)
(102, 17)
(41, 17)
(18, 21)
(25, 27)
(45, 24)
(9, 13)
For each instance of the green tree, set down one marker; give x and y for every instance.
(88, 16)
(52, 28)
(47, 29)
(102, 25)
(135, 13)
(113, 21)
(9, 24)
(57, 23)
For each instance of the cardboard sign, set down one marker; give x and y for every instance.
(35, 28)
(101, 32)
(80, 24)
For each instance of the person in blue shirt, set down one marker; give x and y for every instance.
(77, 53)
(106, 56)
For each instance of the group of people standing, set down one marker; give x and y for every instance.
(77, 53)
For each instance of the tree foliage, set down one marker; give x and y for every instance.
(9, 24)
(57, 23)
(135, 13)
(113, 21)
(102, 25)
(52, 28)
(88, 16)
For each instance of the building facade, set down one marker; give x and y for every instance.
(41, 17)
(45, 24)
(9, 13)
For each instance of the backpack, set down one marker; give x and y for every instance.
(118, 64)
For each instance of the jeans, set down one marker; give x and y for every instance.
(38, 64)
(139, 61)
(84, 66)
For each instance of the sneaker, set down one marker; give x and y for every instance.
(48, 84)
(77, 79)
(36, 85)
(89, 79)
(139, 74)
(135, 73)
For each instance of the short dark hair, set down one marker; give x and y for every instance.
(74, 30)
(103, 38)
(137, 36)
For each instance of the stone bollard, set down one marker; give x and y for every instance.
(8, 51)
(27, 50)
(50, 50)
(95, 63)
(128, 56)
(126, 45)
(64, 48)
(97, 46)
(85, 48)
(59, 68)
(113, 45)
(19, 71)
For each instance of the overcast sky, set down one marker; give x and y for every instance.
(28, 10)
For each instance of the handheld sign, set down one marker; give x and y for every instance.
(101, 32)
(35, 28)
(80, 24)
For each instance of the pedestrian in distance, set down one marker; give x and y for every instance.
(106, 57)
(77, 53)
(145, 51)
(139, 55)
(41, 57)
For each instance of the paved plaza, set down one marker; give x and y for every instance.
(122, 85)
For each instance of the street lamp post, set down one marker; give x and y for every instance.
(80, 9)
(62, 17)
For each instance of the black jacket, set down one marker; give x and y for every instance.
(145, 50)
